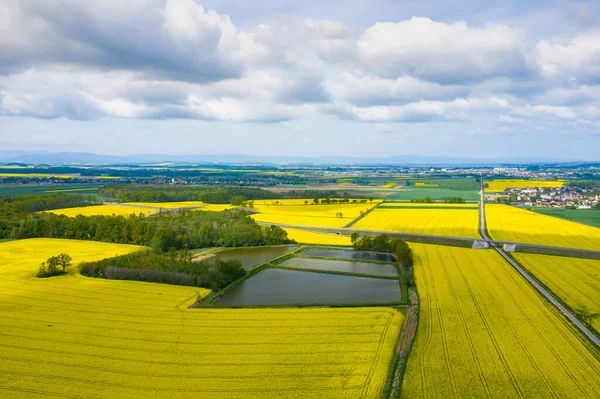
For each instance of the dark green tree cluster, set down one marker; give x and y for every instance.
(176, 267)
(383, 243)
(21, 205)
(166, 193)
(193, 229)
(55, 265)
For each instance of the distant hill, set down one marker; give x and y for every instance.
(46, 157)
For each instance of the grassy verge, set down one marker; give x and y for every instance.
(356, 219)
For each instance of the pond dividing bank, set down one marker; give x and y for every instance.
(296, 278)
(358, 255)
(357, 267)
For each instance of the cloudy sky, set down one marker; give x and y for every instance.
(288, 77)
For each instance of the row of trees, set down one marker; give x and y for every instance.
(21, 205)
(192, 229)
(163, 193)
(383, 243)
(176, 267)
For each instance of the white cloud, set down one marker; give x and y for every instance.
(578, 57)
(443, 52)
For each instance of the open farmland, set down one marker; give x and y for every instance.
(435, 220)
(37, 175)
(575, 281)
(309, 237)
(106, 210)
(322, 215)
(507, 223)
(78, 337)
(484, 332)
(435, 193)
(591, 217)
(498, 186)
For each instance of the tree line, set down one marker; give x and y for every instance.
(21, 205)
(188, 229)
(175, 267)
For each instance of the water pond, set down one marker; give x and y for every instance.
(251, 257)
(360, 255)
(350, 266)
(286, 287)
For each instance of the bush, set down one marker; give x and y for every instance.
(55, 266)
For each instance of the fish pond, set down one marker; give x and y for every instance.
(251, 257)
(376, 269)
(358, 255)
(287, 287)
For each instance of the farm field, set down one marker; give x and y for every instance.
(432, 205)
(575, 281)
(435, 193)
(456, 222)
(484, 332)
(168, 205)
(98, 210)
(37, 175)
(309, 237)
(310, 215)
(77, 337)
(40, 189)
(591, 217)
(514, 224)
(498, 186)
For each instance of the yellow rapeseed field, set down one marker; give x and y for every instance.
(388, 185)
(217, 207)
(514, 224)
(575, 281)
(501, 185)
(484, 332)
(309, 215)
(308, 237)
(428, 205)
(107, 210)
(423, 184)
(77, 337)
(168, 205)
(436, 221)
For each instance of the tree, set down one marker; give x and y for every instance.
(354, 238)
(305, 202)
(316, 200)
(238, 200)
(64, 260)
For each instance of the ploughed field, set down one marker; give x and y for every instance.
(77, 337)
(461, 220)
(514, 224)
(574, 281)
(484, 332)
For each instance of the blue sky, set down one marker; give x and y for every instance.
(358, 78)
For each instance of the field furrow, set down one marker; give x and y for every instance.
(522, 346)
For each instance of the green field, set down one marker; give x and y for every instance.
(38, 189)
(454, 184)
(435, 193)
(591, 217)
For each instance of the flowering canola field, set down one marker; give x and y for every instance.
(513, 224)
(575, 281)
(321, 215)
(434, 220)
(77, 337)
(483, 332)
(309, 237)
(102, 210)
(501, 185)
(168, 205)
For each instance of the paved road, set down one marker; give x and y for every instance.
(580, 326)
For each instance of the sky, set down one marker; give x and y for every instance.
(460, 78)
